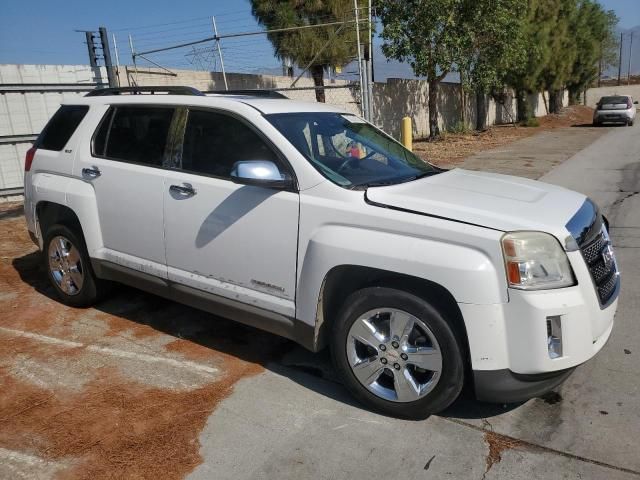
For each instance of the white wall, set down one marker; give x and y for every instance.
(24, 113)
(594, 94)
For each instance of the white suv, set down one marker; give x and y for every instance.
(309, 222)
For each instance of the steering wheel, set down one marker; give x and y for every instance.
(349, 160)
(346, 163)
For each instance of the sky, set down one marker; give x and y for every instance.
(42, 31)
(628, 11)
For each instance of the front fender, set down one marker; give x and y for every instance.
(468, 272)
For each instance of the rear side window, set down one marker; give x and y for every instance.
(61, 126)
(134, 134)
(214, 142)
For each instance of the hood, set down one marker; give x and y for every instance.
(490, 200)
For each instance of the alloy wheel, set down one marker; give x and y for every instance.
(394, 355)
(65, 265)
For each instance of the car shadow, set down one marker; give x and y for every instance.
(11, 211)
(229, 211)
(313, 371)
(591, 125)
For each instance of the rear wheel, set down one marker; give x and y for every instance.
(396, 353)
(69, 268)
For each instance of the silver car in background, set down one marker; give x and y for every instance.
(615, 109)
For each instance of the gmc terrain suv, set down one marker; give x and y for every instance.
(307, 221)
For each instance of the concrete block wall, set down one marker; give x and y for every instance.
(392, 100)
(24, 114)
(594, 94)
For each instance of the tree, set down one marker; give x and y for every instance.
(526, 77)
(496, 46)
(321, 47)
(476, 37)
(430, 36)
(593, 31)
(564, 51)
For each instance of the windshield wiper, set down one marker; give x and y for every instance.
(396, 181)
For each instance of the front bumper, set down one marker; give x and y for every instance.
(514, 335)
(509, 343)
(504, 386)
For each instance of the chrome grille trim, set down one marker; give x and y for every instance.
(588, 229)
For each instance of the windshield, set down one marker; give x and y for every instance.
(349, 151)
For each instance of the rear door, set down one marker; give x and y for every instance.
(236, 241)
(125, 164)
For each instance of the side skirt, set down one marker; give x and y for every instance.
(272, 322)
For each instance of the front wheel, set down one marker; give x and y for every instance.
(396, 353)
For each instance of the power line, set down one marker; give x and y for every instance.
(234, 13)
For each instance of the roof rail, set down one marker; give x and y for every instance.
(170, 90)
(250, 92)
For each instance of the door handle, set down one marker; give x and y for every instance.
(91, 172)
(185, 190)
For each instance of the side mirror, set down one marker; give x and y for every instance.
(636, 102)
(260, 173)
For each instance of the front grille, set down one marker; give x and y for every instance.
(593, 251)
(602, 266)
(606, 289)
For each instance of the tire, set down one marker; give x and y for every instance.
(630, 123)
(78, 287)
(389, 391)
(597, 124)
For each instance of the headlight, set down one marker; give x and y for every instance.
(535, 261)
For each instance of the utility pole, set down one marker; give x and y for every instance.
(215, 32)
(370, 66)
(91, 46)
(620, 60)
(135, 64)
(363, 92)
(630, 54)
(115, 49)
(106, 54)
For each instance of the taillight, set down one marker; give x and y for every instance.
(28, 159)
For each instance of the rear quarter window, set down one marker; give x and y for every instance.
(59, 129)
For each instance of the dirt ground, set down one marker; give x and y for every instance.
(118, 391)
(453, 148)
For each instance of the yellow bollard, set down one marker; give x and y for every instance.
(407, 133)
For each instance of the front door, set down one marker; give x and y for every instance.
(124, 165)
(235, 241)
